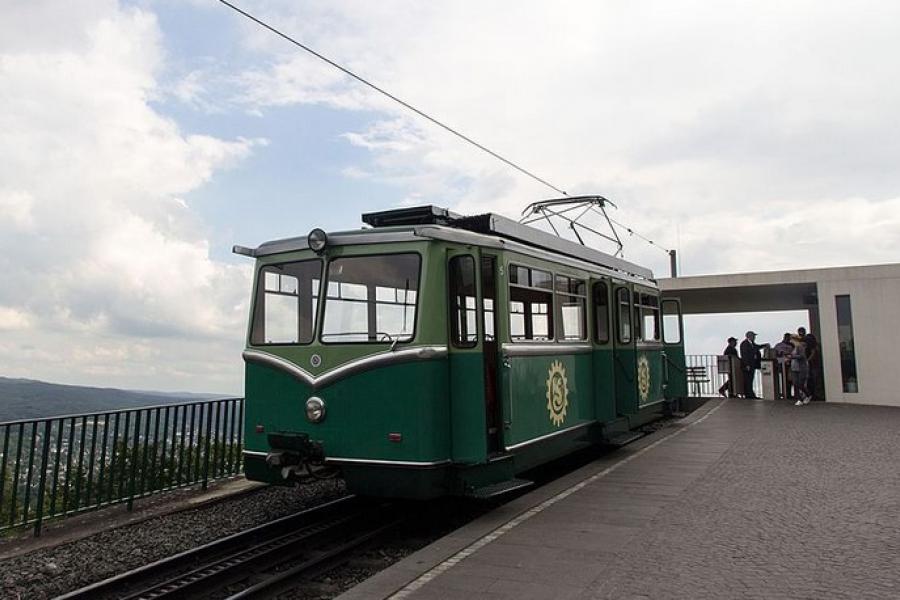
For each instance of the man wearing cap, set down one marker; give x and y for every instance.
(750, 361)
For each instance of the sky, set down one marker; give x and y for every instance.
(140, 140)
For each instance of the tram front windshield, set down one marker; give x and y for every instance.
(286, 299)
(371, 299)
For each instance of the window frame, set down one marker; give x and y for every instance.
(551, 309)
(594, 295)
(482, 296)
(846, 356)
(642, 309)
(627, 305)
(324, 299)
(259, 291)
(557, 295)
(454, 338)
(663, 302)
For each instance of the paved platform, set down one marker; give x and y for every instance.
(743, 499)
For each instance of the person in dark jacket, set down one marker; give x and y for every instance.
(813, 359)
(730, 350)
(750, 361)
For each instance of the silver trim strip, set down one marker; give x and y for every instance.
(367, 461)
(547, 436)
(549, 349)
(356, 366)
(649, 344)
(276, 362)
(660, 401)
(388, 463)
(338, 238)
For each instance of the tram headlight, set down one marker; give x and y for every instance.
(317, 240)
(315, 410)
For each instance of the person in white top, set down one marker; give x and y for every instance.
(783, 351)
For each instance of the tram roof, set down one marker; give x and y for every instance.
(433, 222)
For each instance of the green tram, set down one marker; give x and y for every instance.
(434, 354)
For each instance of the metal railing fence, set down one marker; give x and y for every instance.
(61, 466)
(706, 379)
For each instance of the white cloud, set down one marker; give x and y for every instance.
(757, 136)
(107, 273)
(12, 319)
(15, 210)
(723, 121)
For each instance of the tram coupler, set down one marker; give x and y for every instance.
(289, 451)
(295, 456)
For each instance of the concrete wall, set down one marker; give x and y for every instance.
(875, 307)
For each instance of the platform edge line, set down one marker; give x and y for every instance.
(483, 541)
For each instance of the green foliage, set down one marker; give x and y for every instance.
(5, 508)
(127, 470)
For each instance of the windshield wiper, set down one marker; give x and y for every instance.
(394, 341)
(390, 338)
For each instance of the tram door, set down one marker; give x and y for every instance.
(624, 352)
(604, 354)
(493, 409)
(650, 357)
(673, 340)
(474, 409)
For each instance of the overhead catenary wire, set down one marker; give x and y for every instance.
(412, 108)
(638, 235)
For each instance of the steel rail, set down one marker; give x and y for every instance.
(284, 580)
(211, 551)
(242, 564)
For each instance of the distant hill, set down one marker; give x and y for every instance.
(29, 399)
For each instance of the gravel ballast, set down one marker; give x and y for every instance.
(53, 571)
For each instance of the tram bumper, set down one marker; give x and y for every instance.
(293, 454)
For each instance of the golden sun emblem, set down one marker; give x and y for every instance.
(557, 393)
(643, 373)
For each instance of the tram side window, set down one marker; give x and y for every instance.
(571, 296)
(649, 317)
(488, 290)
(671, 322)
(517, 320)
(286, 300)
(530, 304)
(601, 313)
(624, 302)
(463, 315)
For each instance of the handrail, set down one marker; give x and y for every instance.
(58, 466)
(113, 411)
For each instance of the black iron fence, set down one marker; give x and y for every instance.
(60, 466)
(705, 378)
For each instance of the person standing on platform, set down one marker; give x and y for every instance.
(783, 351)
(750, 361)
(730, 350)
(813, 361)
(800, 370)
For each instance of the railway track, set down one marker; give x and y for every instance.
(256, 563)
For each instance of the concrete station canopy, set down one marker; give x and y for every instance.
(872, 293)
